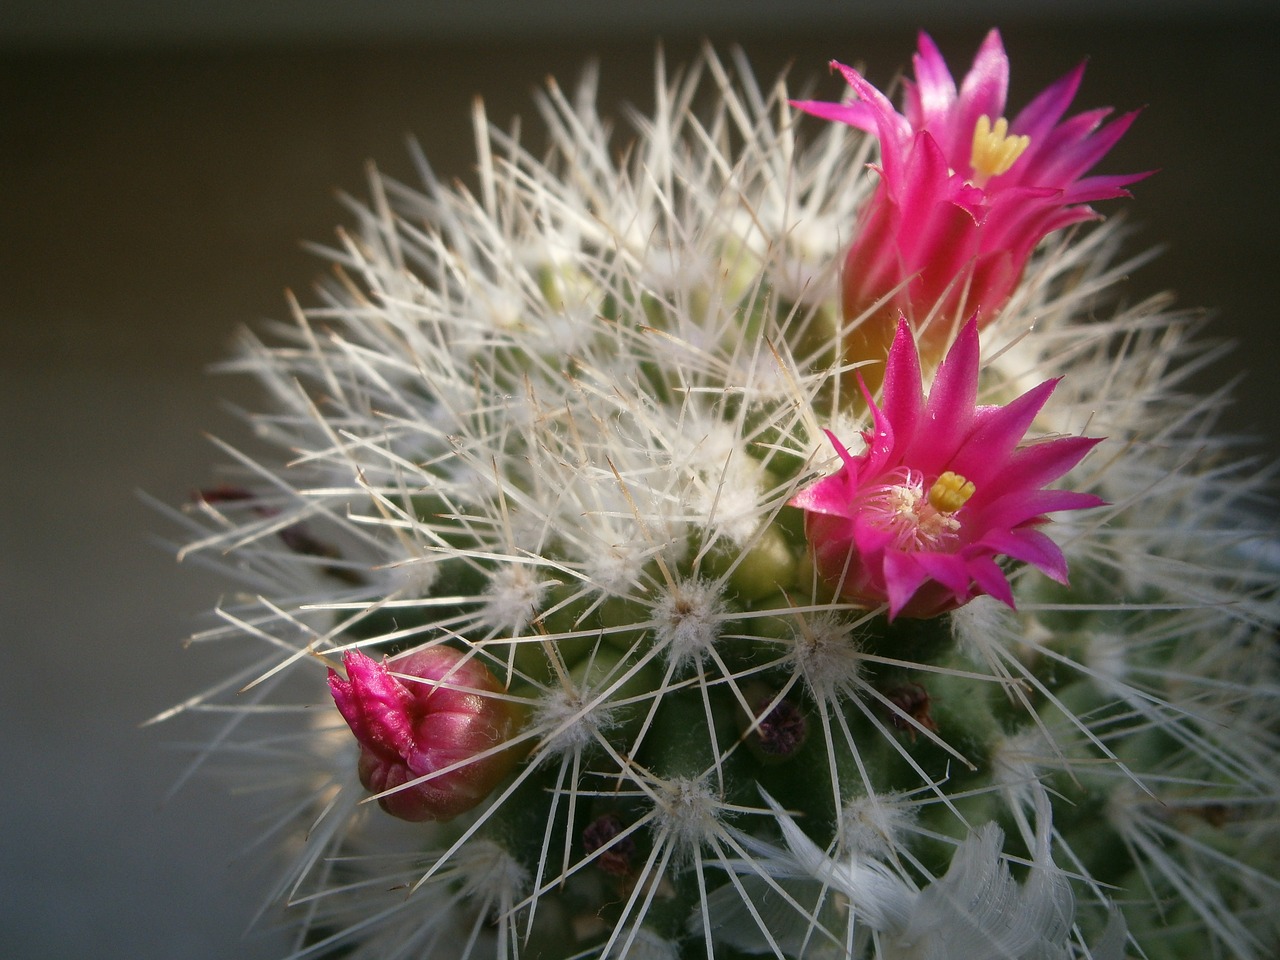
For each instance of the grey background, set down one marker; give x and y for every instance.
(159, 165)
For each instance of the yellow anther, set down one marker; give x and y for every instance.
(950, 492)
(994, 151)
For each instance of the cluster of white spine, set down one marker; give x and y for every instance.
(556, 422)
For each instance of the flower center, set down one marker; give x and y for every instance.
(950, 492)
(916, 519)
(994, 151)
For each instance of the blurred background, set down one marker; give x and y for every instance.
(161, 162)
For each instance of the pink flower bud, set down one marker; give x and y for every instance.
(412, 728)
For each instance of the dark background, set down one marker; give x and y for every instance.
(160, 164)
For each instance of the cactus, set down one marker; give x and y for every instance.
(686, 612)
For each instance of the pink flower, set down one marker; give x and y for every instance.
(964, 194)
(942, 489)
(408, 729)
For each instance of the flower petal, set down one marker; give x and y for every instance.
(948, 569)
(930, 98)
(1030, 546)
(1040, 463)
(996, 432)
(990, 578)
(949, 414)
(982, 92)
(1038, 117)
(903, 576)
(903, 393)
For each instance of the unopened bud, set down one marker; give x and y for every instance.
(601, 832)
(780, 728)
(911, 700)
(409, 729)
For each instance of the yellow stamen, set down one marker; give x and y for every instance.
(950, 492)
(994, 151)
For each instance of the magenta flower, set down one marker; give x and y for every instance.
(408, 729)
(943, 488)
(964, 195)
